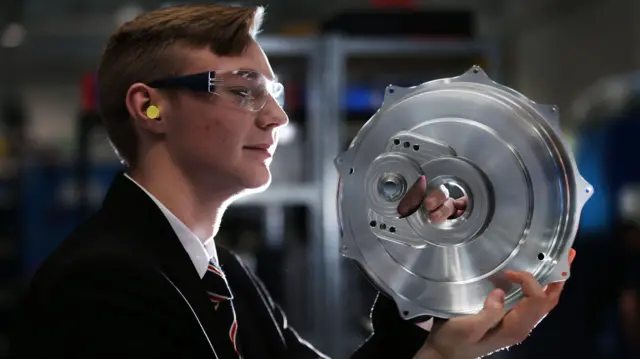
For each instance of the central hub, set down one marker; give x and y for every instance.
(458, 178)
(454, 188)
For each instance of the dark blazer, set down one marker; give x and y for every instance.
(122, 286)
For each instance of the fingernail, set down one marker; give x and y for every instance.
(572, 255)
(496, 299)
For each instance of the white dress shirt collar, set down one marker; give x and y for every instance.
(200, 252)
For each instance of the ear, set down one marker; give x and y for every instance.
(138, 99)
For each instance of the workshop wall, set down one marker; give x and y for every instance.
(557, 48)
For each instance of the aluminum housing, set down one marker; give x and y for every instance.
(502, 150)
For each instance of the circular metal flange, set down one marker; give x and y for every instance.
(486, 141)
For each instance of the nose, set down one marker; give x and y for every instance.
(272, 115)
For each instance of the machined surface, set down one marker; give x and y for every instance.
(490, 143)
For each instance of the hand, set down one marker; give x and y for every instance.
(437, 203)
(491, 329)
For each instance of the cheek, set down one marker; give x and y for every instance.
(216, 133)
(219, 135)
(209, 132)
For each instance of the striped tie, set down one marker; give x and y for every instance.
(221, 297)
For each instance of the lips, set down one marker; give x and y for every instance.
(265, 149)
(262, 146)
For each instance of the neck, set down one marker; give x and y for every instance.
(196, 202)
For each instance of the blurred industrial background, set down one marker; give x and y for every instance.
(335, 58)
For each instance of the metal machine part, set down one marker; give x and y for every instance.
(483, 140)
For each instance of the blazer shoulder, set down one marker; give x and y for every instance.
(69, 268)
(92, 250)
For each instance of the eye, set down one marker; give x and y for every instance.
(240, 91)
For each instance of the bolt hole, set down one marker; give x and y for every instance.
(475, 70)
(396, 142)
(351, 170)
(541, 256)
(392, 229)
(391, 90)
(416, 147)
(588, 190)
(405, 313)
(391, 190)
(383, 226)
(407, 145)
(373, 223)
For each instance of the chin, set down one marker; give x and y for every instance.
(257, 180)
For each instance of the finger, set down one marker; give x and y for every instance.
(443, 212)
(413, 199)
(534, 304)
(460, 203)
(489, 317)
(520, 320)
(435, 199)
(531, 288)
(528, 312)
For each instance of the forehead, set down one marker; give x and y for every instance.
(201, 60)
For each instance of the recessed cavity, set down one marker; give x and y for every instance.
(392, 186)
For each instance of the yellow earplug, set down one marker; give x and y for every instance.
(153, 112)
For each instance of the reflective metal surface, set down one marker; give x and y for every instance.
(467, 133)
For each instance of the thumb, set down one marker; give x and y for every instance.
(490, 315)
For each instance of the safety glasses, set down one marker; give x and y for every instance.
(246, 88)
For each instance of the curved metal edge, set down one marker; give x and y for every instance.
(393, 93)
(551, 114)
(562, 269)
(349, 248)
(477, 75)
(344, 162)
(584, 192)
(409, 311)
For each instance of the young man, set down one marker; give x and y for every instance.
(191, 106)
